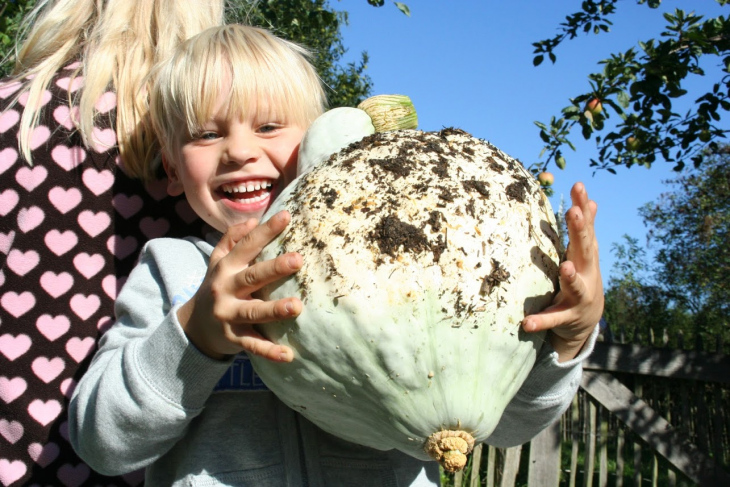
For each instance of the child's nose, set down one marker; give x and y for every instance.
(242, 149)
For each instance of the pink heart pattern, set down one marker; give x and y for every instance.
(12, 431)
(8, 119)
(14, 346)
(127, 206)
(64, 200)
(30, 178)
(47, 370)
(8, 89)
(11, 389)
(30, 218)
(68, 157)
(44, 99)
(43, 455)
(106, 102)
(56, 284)
(22, 262)
(8, 200)
(66, 117)
(52, 327)
(88, 265)
(8, 156)
(60, 243)
(71, 225)
(6, 242)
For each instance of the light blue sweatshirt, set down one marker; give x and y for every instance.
(151, 399)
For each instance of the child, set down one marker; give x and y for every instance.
(230, 108)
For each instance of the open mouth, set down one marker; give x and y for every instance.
(247, 192)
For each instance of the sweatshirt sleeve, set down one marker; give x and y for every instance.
(147, 381)
(544, 396)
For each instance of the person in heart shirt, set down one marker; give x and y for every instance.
(73, 213)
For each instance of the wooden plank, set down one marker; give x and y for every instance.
(590, 457)
(491, 460)
(544, 469)
(702, 420)
(639, 392)
(620, 458)
(511, 466)
(459, 478)
(575, 439)
(603, 449)
(672, 416)
(636, 359)
(654, 429)
(718, 426)
(476, 464)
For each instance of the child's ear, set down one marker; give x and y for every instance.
(174, 185)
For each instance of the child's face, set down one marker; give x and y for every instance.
(234, 169)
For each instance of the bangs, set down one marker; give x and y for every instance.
(252, 70)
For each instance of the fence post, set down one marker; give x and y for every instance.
(544, 470)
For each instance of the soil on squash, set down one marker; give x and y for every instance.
(420, 165)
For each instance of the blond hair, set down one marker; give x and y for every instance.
(117, 42)
(257, 68)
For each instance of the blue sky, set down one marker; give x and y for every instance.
(468, 64)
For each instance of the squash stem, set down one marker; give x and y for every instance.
(450, 448)
(390, 112)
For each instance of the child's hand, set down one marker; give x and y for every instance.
(219, 319)
(578, 305)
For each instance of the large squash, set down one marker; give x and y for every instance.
(422, 254)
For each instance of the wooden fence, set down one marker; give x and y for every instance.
(643, 416)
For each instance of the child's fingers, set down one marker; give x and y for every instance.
(583, 248)
(561, 312)
(248, 312)
(254, 343)
(229, 240)
(260, 274)
(553, 317)
(571, 285)
(252, 243)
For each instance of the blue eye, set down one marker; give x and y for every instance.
(208, 136)
(267, 128)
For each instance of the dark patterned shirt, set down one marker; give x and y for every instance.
(71, 226)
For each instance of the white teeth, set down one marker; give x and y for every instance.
(253, 199)
(245, 187)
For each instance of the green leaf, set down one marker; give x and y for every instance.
(537, 60)
(403, 8)
(376, 3)
(587, 131)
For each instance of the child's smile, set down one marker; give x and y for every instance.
(251, 192)
(234, 169)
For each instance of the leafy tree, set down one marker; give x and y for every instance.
(639, 86)
(308, 22)
(691, 224)
(11, 13)
(401, 6)
(313, 24)
(636, 308)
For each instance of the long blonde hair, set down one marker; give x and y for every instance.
(117, 42)
(259, 70)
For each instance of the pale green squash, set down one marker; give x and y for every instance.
(422, 254)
